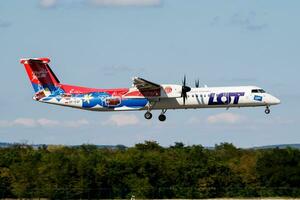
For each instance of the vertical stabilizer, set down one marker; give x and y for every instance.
(40, 75)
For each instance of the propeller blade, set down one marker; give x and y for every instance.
(197, 83)
(185, 90)
(184, 96)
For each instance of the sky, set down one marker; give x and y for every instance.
(104, 43)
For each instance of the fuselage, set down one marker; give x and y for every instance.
(132, 99)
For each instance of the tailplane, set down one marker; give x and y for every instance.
(42, 78)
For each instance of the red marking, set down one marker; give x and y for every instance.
(71, 89)
(145, 93)
(44, 60)
(168, 90)
(39, 72)
(134, 93)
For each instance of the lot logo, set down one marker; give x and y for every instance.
(225, 98)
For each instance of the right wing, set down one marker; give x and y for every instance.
(146, 88)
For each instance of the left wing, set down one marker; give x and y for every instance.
(144, 85)
(152, 90)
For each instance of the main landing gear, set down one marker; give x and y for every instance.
(148, 115)
(267, 111)
(162, 117)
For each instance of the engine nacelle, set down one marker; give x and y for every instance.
(170, 91)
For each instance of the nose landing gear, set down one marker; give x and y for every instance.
(267, 111)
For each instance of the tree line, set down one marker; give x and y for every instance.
(148, 170)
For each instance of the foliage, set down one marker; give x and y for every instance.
(149, 171)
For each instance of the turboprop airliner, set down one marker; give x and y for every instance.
(143, 95)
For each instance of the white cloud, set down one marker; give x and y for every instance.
(195, 120)
(27, 122)
(125, 2)
(77, 123)
(225, 118)
(47, 122)
(240, 120)
(122, 120)
(43, 122)
(48, 3)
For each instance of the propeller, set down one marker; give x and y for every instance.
(197, 83)
(185, 90)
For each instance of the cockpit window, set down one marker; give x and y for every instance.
(258, 91)
(262, 91)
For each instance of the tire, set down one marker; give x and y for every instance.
(162, 118)
(148, 115)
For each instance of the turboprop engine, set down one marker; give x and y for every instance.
(176, 91)
(171, 91)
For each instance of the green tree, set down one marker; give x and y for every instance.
(278, 171)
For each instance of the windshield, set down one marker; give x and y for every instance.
(258, 91)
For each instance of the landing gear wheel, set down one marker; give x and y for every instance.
(148, 115)
(267, 111)
(162, 117)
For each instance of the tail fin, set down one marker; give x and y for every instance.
(40, 74)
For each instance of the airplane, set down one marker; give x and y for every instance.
(143, 95)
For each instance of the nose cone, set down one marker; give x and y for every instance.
(274, 101)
